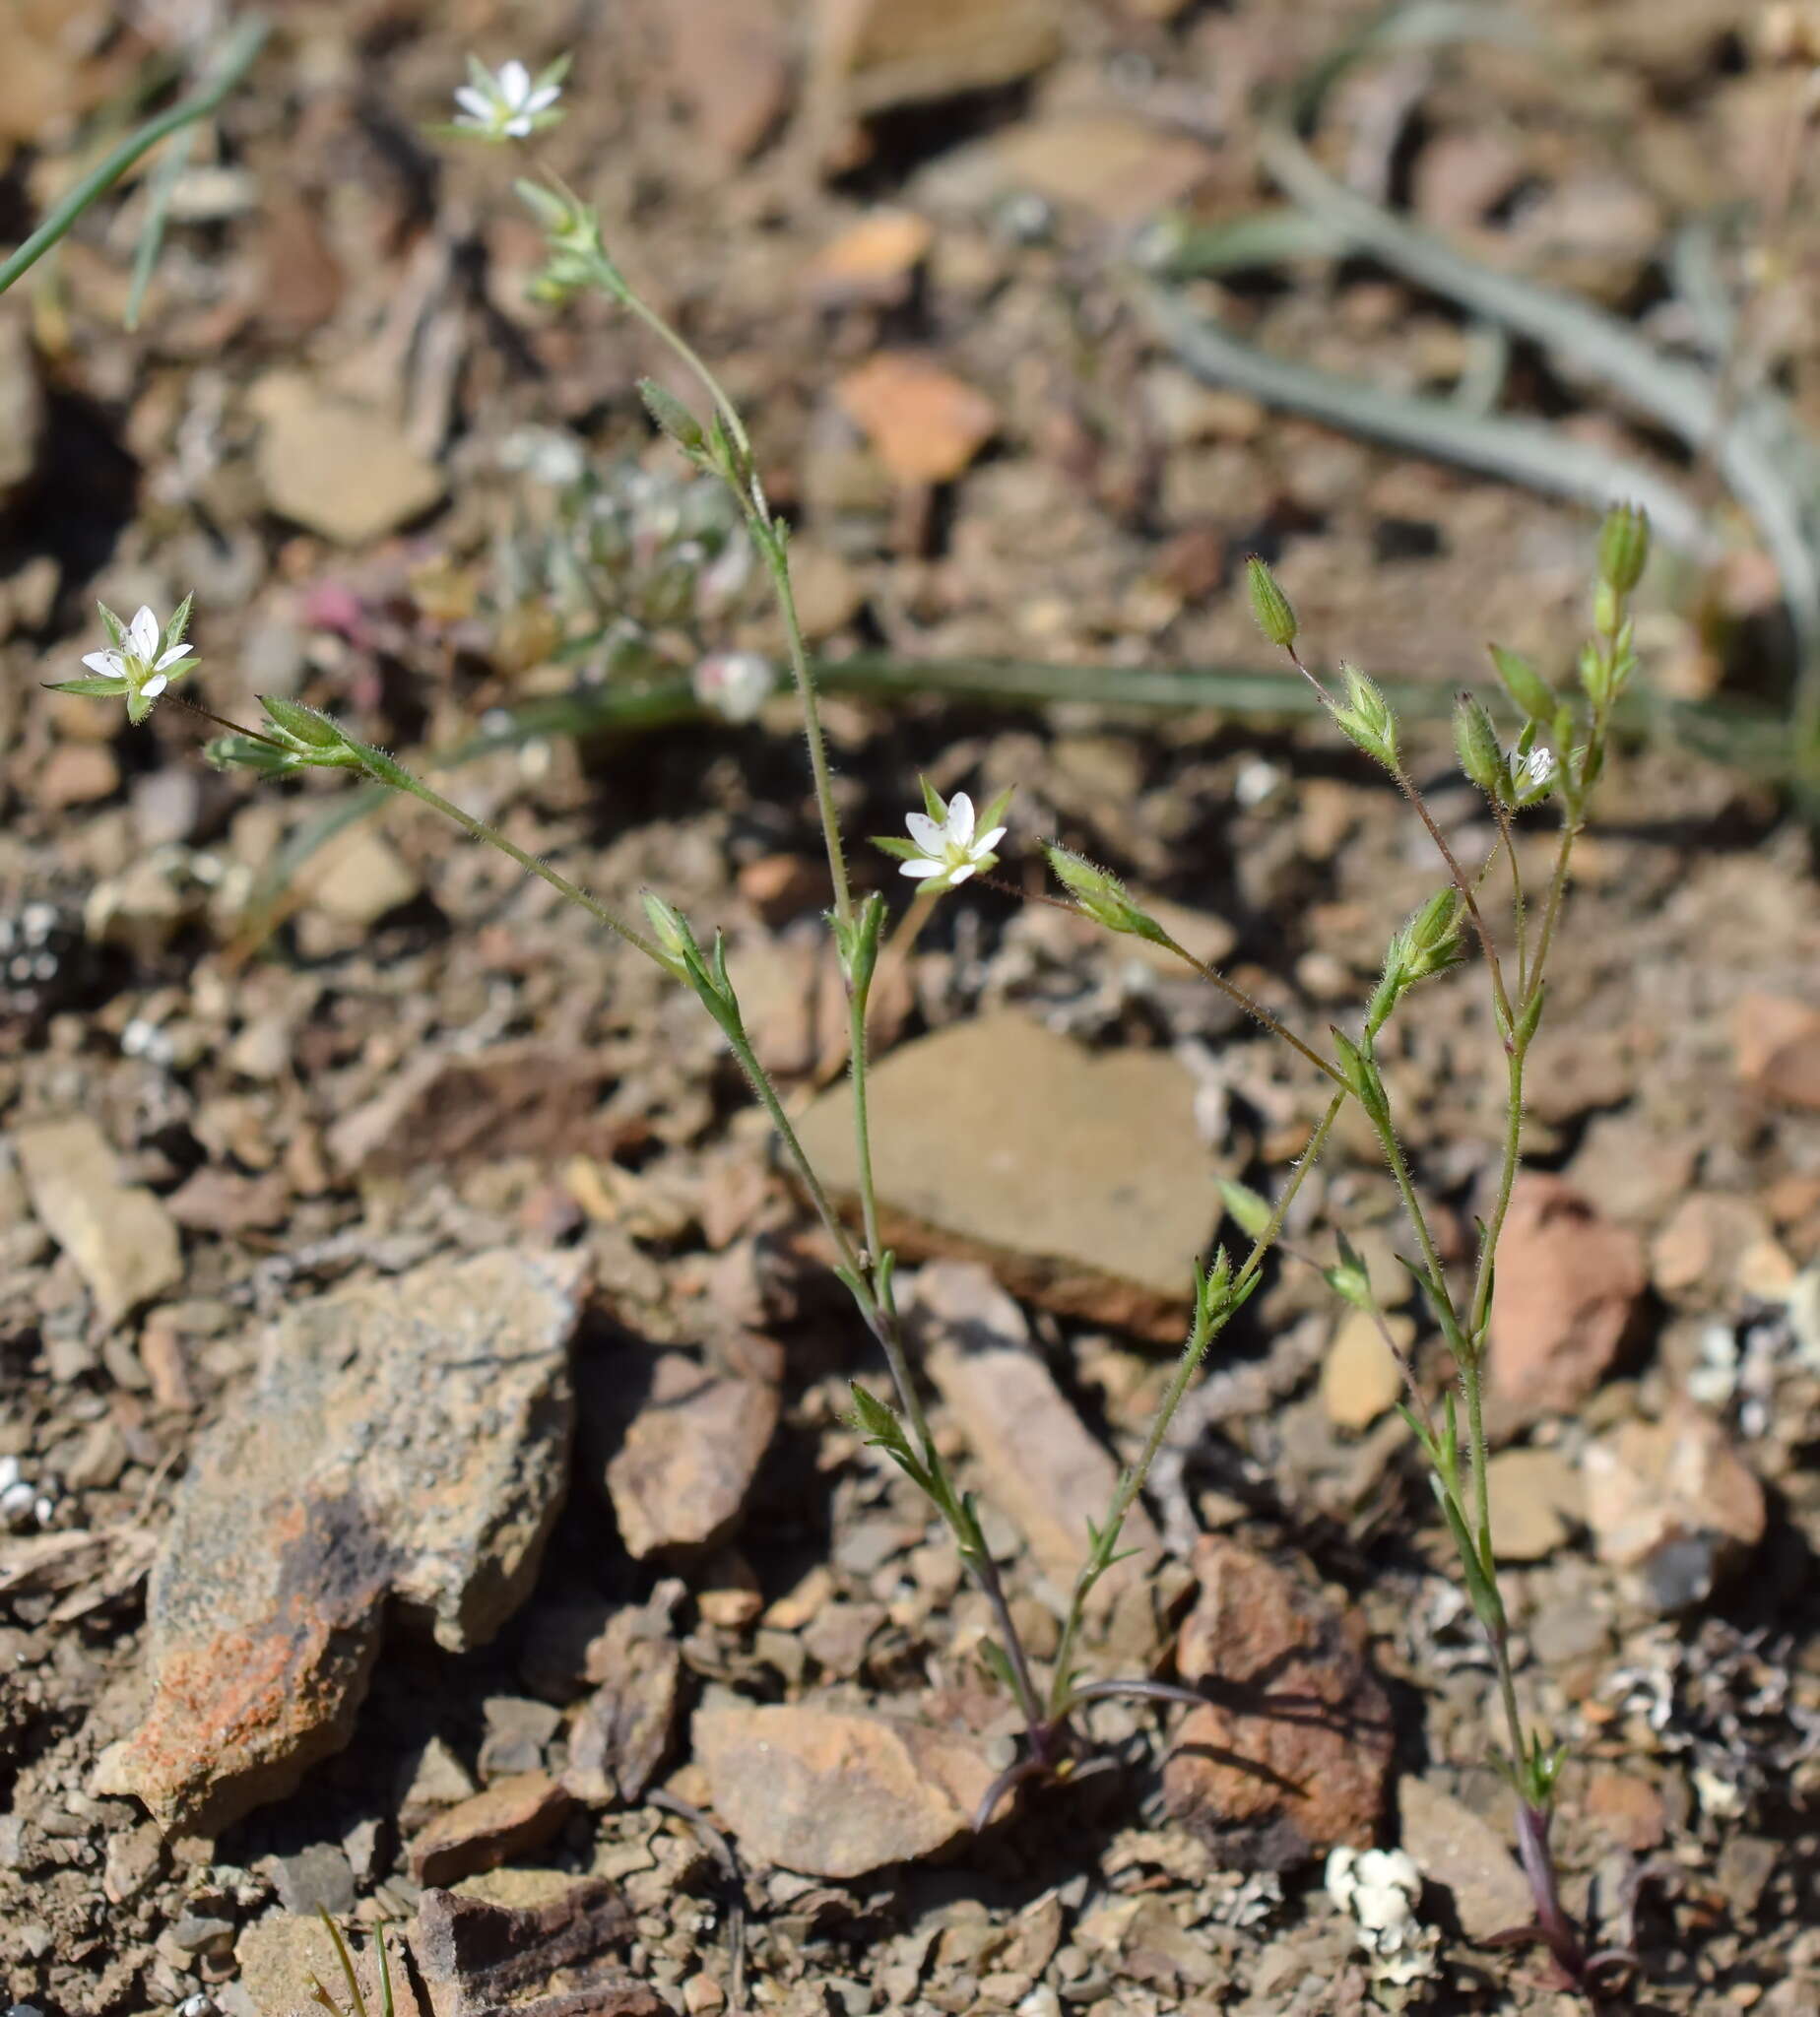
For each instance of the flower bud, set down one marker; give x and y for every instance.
(1623, 547)
(1476, 741)
(1270, 609)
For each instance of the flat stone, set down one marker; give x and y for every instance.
(1463, 1855)
(872, 259)
(1777, 1044)
(121, 1237)
(837, 1793)
(493, 1947)
(1293, 1753)
(686, 1462)
(1537, 1500)
(404, 1441)
(1698, 1253)
(1674, 1501)
(623, 1735)
(1075, 1179)
(335, 466)
(439, 1778)
(279, 1953)
(1044, 1471)
(358, 879)
(925, 424)
(526, 1097)
(896, 53)
(318, 1878)
(1568, 1288)
(512, 1818)
(1360, 1379)
(1120, 169)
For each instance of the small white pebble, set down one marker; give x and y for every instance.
(1256, 781)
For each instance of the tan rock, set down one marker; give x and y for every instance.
(280, 1954)
(528, 1940)
(1293, 1753)
(894, 52)
(1044, 1471)
(121, 1237)
(682, 1470)
(1464, 1854)
(405, 1441)
(1537, 1500)
(1120, 167)
(837, 1793)
(1628, 1808)
(1568, 1285)
(1699, 1252)
(336, 467)
(872, 259)
(1360, 1379)
(925, 424)
(1076, 1179)
(737, 96)
(512, 1818)
(358, 879)
(1674, 1501)
(1777, 1044)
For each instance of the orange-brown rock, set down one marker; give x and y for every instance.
(512, 1818)
(1568, 1287)
(1292, 1752)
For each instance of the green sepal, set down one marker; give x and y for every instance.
(1360, 1072)
(306, 726)
(1250, 1210)
(99, 688)
(178, 625)
(116, 630)
(1349, 1279)
(1270, 608)
(1535, 697)
(672, 417)
(1476, 741)
(898, 847)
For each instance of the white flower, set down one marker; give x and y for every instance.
(508, 103)
(736, 684)
(950, 850)
(1540, 766)
(143, 658)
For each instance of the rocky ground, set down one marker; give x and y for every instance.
(426, 1484)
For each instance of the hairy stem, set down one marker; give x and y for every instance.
(1131, 1481)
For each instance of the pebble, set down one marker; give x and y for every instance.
(1569, 1285)
(836, 1792)
(1360, 1379)
(512, 1818)
(1674, 1501)
(1045, 1471)
(686, 1462)
(1292, 1753)
(334, 467)
(121, 1237)
(1776, 1042)
(1463, 1855)
(925, 425)
(1537, 1500)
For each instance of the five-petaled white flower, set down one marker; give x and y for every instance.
(1540, 766)
(947, 848)
(508, 103)
(142, 660)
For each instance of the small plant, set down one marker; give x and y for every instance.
(1556, 756)
(356, 1999)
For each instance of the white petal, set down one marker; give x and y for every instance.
(961, 874)
(171, 657)
(960, 819)
(518, 125)
(539, 98)
(476, 101)
(922, 869)
(930, 837)
(983, 843)
(142, 632)
(107, 663)
(155, 685)
(514, 83)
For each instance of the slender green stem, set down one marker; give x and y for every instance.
(1519, 908)
(386, 770)
(1132, 1480)
(236, 59)
(1469, 894)
(1253, 1008)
